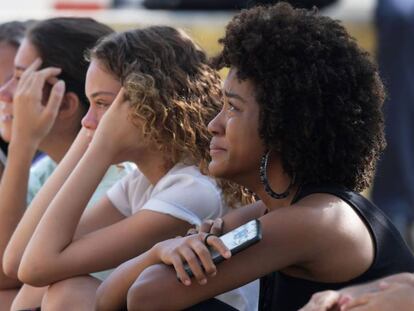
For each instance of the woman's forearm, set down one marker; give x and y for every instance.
(38, 206)
(59, 222)
(112, 293)
(13, 193)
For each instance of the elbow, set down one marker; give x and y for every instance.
(140, 299)
(145, 293)
(10, 266)
(105, 300)
(34, 273)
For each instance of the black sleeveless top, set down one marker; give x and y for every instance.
(281, 292)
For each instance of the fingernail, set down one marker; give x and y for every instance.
(214, 274)
(187, 282)
(227, 254)
(203, 282)
(60, 86)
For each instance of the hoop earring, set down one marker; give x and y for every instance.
(265, 181)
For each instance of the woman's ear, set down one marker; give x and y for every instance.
(70, 106)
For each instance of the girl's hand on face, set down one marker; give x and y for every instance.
(33, 120)
(116, 134)
(195, 252)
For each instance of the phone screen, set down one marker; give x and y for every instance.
(241, 235)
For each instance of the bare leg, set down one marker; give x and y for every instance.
(75, 294)
(28, 297)
(6, 298)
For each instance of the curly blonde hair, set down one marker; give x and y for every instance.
(173, 92)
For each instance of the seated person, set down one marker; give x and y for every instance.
(152, 95)
(302, 128)
(30, 121)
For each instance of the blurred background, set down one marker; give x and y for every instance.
(203, 19)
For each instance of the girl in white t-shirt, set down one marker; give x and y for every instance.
(159, 94)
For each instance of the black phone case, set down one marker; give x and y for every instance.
(217, 258)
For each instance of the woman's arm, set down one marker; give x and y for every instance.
(112, 293)
(31, 124)
(37, 208)
(52, 253)
(293, 237)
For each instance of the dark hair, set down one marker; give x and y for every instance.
(13, 32)
(320, 96)
(172, 89)
(62, 42)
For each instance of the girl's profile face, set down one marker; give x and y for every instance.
(236, 147)
(101, 88)
(25, 56)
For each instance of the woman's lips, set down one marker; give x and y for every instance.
(216, 149)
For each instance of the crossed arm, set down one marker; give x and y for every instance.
(31, 123)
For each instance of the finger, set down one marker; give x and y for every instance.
(194, 264)
(43, 75)
(204, 256)
(219, 246)
(358, 301)
(55, 99)
(120, 97)
(206, 225)
(31, 68)
(322, 301)
(52, 80)
(217, 227)
(383, 285)
(48, 72)
(179, 269)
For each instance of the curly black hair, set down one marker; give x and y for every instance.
(319, 94)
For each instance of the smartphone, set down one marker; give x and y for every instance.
(236, 240)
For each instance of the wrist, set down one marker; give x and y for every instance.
(154, 254)
(98, 154)
(105, 150)
(19, 147)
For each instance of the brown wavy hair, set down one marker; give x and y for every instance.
(319, 94)
(173, 91)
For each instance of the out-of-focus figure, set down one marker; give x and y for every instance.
(393, 188)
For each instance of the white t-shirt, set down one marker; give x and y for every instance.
(188, 195)
(183, 193)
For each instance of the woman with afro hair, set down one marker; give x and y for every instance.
(302, 128)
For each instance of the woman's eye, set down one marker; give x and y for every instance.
(102, 105)
(232, 107)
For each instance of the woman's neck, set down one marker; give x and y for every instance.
(153, 165)
(278, 181)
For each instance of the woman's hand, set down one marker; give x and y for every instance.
(116, 133)
(193, 250)
(350, 296)
(213, 226)
(33, 119)
(394, 296)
